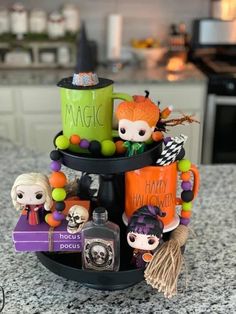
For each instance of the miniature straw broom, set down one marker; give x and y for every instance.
(163, 271)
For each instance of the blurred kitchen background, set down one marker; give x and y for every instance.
(183, 52)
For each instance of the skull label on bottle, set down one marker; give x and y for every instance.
(98, 254)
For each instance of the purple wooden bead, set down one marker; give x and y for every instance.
(58, 216)
(184, 221)
(55, 165)
(84, 144)
(167, 139)
(186, 185)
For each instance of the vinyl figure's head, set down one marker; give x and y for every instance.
(31, 189)
(137, 119)
(144, 230)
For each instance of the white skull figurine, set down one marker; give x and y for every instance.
(99, 254)
(76, 217)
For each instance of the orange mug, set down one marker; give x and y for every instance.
(156, 185)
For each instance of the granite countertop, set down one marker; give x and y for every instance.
(128, 75)
(209, 256)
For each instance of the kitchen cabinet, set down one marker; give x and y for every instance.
(40, 116)
(7, 116)
(30, 115)
(40, 130)
(7, 126)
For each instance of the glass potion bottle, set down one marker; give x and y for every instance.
(101, 243)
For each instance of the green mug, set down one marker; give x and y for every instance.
(88, 111)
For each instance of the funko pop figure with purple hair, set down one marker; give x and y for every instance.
(144, 233)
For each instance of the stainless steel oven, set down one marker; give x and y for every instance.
(214, 51)
(219, 136)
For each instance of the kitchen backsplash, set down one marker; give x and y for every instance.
(140, 18)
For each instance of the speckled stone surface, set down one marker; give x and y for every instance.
(210, 256)
(128, 75)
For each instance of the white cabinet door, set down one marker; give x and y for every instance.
(182, 96)
(30, 115)
(40, 116)
(6, 100)
(40, 99)
(7, 115)
(40, 130)
(8, 127)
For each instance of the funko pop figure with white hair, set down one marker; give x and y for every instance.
(32, 192)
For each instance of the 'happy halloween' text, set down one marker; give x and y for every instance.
(155, 193)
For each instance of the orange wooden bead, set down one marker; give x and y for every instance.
(120, 149)
(57, 179)
(75, 139)
(51, 221)
(157, 136)
(147, 257)
(185, 176)
(24, 212)
(186, 214)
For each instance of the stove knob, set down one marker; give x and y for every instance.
(230, 86)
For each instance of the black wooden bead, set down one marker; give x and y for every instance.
(187, 196)
(95, 148)
(60, 206)
(55, 155)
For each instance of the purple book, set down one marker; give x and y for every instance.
(24, 246)
(44, 238)
(25, 232)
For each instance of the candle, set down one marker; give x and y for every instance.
(114, 36)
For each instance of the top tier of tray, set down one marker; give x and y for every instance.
(110, 165)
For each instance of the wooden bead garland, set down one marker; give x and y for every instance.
(105, 148)
(187, 194)
(57, 181)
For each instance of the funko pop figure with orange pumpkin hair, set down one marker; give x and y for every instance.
(137, 122)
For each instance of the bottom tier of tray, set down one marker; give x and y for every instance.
(69, 266)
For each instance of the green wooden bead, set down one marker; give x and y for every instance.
(149, 141)
(59, 194)
(184, 165)
(62, 142)
(108, 148)
(186, 206)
